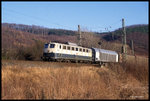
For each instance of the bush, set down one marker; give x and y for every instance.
(37, 49)
(34, 52)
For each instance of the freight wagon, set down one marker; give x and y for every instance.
(103, 56)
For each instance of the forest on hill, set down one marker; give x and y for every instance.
(39, 29)
(25, 45)
(23, 41)
(137, 33)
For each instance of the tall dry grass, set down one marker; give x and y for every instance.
(134, 76)
(138, 67)
(43, 80)
(50, 83)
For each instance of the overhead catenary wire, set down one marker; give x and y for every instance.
(36, 18)
(12, 18)
(99, 28)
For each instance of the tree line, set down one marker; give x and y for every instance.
(39, 29)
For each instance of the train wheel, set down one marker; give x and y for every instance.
(68, 61)
(106, 64)
(100, 64)
(76, 61)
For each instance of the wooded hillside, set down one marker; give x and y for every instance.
(138, 33)
(17, 38)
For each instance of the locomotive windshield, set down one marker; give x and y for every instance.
(46, 46)
(52, 45)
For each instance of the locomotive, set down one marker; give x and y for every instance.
(55, 51)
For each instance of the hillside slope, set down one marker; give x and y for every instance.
(24, 45)
(17, 35)
(137, 33)
(39, 29)
(12, 38)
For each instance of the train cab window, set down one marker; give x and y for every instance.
(68, 48)
(46, 46)
(52, 45)
(83, 50)
(76, 49)
(60, 46)
(72, 48)
(64, 47)
(80, 50)
(87, 50)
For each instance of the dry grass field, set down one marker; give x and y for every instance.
(53, 80)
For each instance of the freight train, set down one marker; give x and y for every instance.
(55, 51)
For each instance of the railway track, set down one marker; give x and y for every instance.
(22, 63)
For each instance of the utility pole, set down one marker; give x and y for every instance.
(99, 44)
(79, 36)
(132, 47)
(124, 51)
(112, 35)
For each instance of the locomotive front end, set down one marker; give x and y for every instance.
(49, 51)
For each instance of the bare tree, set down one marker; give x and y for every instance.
(89, 39)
